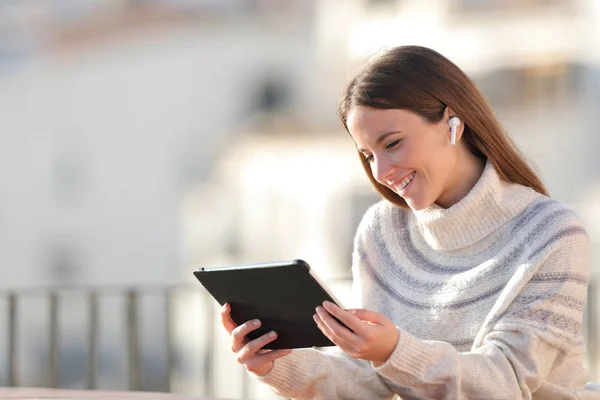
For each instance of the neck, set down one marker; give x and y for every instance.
(490, 204)
(466, 174)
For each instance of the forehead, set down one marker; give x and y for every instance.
(366, 124)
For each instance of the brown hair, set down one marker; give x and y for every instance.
(423, 81)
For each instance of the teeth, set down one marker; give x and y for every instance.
(406, 181)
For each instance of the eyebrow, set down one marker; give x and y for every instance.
(381, 139)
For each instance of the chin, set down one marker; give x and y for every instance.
(418, 204)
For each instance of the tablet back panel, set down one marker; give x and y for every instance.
(282, 295)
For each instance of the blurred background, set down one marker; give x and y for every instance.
(143, 139)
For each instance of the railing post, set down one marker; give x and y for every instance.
(210, 346)
(53, 367)
(92, 339)
(592, 327)
(12, 340)
(133, 345)
(168, 338)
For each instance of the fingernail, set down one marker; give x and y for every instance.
(224, 307)
(272, 334)
(352, 311)
(256, 322)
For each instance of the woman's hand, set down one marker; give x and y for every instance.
(374, 337)
(249, 353)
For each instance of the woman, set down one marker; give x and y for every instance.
(472, 280)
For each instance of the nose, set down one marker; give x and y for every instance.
(382, 170)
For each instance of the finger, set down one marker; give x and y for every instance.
(324, 328)
(335, 327)
(260, 360)
(252, 347)
(238, 335)
(275, 354)
(226, 319)
(341, 343)
(349, 319)
(368, 316)
(279, 353)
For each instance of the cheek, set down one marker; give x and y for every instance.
(439, 172)
(432, 162)
(415, 155)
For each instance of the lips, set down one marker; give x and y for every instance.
(402, 182)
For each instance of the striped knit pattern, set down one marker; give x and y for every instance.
(488, 296)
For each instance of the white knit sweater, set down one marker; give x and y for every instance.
(488, 296)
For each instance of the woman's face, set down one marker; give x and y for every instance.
(409, 155)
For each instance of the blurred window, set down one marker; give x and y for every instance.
(381, 5)
(64, 264)
(500, 6)
(271, 94)
(529, 85)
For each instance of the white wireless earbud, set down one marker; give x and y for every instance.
(453, 122)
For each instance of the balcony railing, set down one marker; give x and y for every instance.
(92, 296)
(130, 312)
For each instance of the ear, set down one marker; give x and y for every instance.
(449, 113)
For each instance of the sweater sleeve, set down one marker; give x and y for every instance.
(523, 340)
(314, 374)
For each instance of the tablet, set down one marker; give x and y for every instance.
(283, 295)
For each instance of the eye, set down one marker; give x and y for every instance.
(393, 144)
(368, 157)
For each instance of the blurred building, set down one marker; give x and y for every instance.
(112, 112)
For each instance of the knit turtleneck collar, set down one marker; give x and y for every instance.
(490, 204)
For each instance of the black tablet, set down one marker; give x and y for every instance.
(283, 295)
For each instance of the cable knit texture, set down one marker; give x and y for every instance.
(488, 296)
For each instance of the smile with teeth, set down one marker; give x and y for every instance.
(401, 185)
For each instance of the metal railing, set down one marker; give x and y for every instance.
(131, 297)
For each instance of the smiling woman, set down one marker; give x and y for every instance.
(471, 280)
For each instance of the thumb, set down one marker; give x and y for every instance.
(368, 316)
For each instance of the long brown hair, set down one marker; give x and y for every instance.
(423, 81)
